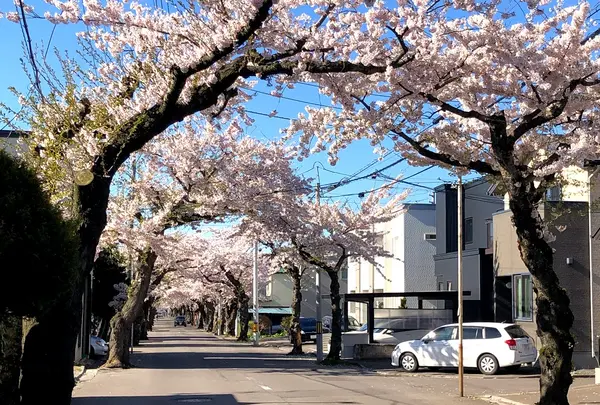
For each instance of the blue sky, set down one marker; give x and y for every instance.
(358, 159)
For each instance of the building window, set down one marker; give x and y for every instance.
(489, 226)
(268, 289)
(344, 275)
(523, 297)
(468, 230)
(449, 285)
(430, 236)
(553, 193)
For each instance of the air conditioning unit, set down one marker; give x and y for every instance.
(429, 236)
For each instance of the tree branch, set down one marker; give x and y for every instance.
(478, 165)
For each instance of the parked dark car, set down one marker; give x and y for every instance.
(308, 328)
(179, 320)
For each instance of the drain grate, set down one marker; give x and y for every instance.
(195, 400)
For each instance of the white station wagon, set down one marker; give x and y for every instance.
(487, 346)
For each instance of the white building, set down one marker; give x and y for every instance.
(279, 292)
(410, 238)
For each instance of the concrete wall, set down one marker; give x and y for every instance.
(411, 268)
(446, 269)
(281, 287)
(479, 206)
(595, 271)
(418, 252)
(506, 252)
(419, 273)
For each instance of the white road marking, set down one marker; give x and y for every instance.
(264, 387)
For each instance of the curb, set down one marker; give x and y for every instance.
(498, 400)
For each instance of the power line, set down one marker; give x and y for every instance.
(297, 100)
(319, 86)
(269, 115)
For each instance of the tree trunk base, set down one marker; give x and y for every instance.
(117, 364)
(332, 361)
(11, 334)
(296, 351)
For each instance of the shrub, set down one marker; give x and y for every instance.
(38, 249)
(286, 323)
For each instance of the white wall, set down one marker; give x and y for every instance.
(412, 267)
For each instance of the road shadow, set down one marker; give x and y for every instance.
(179, 344)
(182, 338)
(216, 399)
(181, 360)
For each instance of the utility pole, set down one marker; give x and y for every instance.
(461, 387)
(255, 294)
(318, 286)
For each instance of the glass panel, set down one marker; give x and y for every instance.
(469, 230)
(523, 297)
(442, 333)
(490, 234)
(516, 332)
(472, 333)
(492, 333)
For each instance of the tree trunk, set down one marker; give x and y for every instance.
(151, 313)
(217, 322)
(118, 355)
(295, 330)
(139, 330)
(243, 301)
(232, 309)
(47, 369)
(210, 316)
(222, 319)
(553, 315)
(147, 309)
(11, 335)
(336, 319)
(201, 316)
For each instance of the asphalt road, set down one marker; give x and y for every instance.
(184, 365)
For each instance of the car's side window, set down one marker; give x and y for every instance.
(473, 333)
(492, 333)
(445, 333)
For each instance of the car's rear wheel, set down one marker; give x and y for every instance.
(487, 364)
(409, 362)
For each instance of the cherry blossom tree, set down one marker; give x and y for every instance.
(152, 69)
(285, 257)
(493, 88)
(506, 94)
(229, 261)
(325, 236)
(186, 176)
